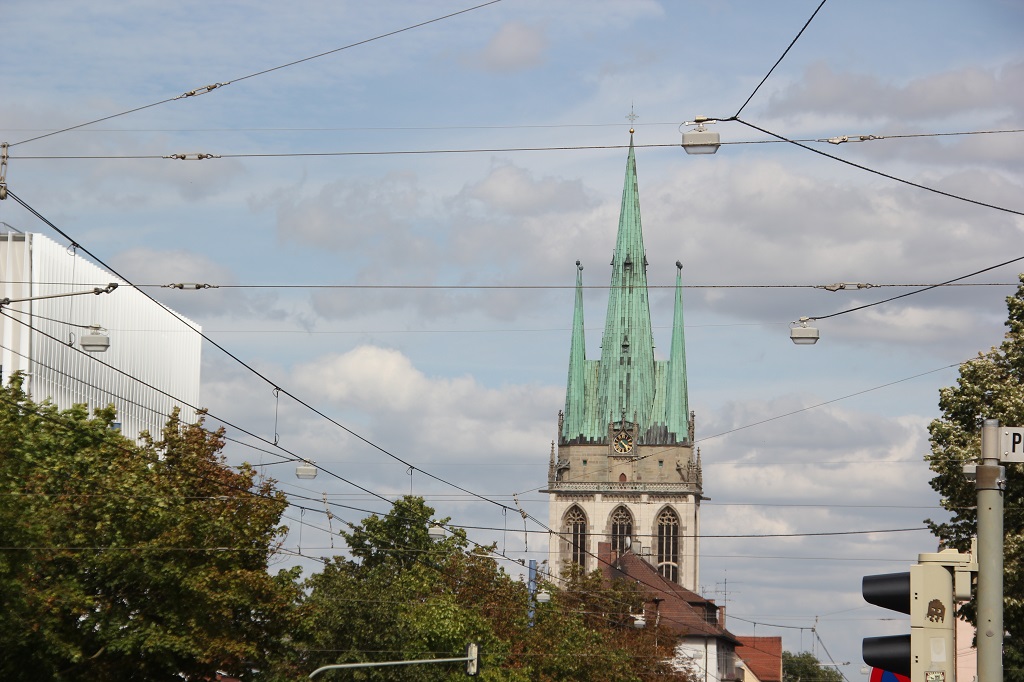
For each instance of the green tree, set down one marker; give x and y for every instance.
(132, 561)
(805, 667)
(403, 596)
(990, 386)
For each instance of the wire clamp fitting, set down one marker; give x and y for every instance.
(197, 156)
(189, 285)
(842, 286)
(200, 91)
(3, 170)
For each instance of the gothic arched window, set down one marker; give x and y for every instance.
(668, 544)
(575, 529)
(622, 529)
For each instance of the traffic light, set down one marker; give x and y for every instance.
(472, 659)
(890, 591)
(928, 593)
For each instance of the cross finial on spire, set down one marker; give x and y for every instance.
(632, 117)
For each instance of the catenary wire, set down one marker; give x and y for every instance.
(783, 56)
(210, 88)
(840, 286)
(877, 172)
(280, 549)
(503, 506)
(853, 138)
(295, 457)
(787, 414)
(918, 291)
(263, 377)
(483, 150)
(287, 460)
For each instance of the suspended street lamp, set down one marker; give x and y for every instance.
(699, 140)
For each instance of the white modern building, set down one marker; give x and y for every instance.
(150, 367)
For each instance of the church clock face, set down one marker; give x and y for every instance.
(623, 442)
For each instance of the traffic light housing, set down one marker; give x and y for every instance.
(472, 659)
(928, 593)
(890, 591)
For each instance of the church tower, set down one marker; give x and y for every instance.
(626, 471)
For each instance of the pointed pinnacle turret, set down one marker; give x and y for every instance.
(677, 408)
(575, 388)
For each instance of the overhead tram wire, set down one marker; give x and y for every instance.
(249, 492)
(339, 505)
(552, 287)
(780, 416)
(430, 475)
(487, 150)
(736, 117)
(295, 457)
(839, 286)
(282, 550)
(779, 60)
(210, 88)
(263, 377)
(260, 438)
(918, 291)
(868, 169)
(525, 515)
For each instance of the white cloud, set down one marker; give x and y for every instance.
(513, 190)
(348, 215)
(443, 415)
(515, 47)
(934, 96)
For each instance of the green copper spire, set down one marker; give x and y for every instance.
(575, 387)
(627, 383)
(676, 400)
(626, 389)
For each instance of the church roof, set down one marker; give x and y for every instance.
(627, 384)
(682, 611)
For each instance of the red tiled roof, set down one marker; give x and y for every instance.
(763, 655)
(682, 611)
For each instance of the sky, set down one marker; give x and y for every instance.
(392, 229)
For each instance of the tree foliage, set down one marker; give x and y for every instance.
(403, 596)
(131, 561)
(150, 561)
(990, 386)
(805, 667)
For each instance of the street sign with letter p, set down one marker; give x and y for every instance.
(1011, 444)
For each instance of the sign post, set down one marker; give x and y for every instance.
(989, 484)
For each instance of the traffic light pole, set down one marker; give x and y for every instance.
(990, 556)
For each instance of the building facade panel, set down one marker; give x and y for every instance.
(151, 366)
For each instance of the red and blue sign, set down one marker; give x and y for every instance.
(879, 675)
